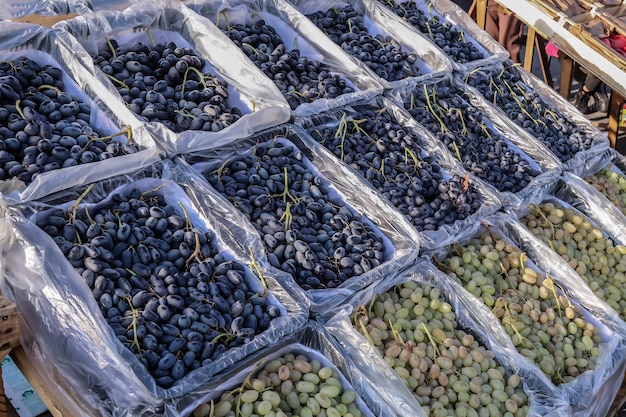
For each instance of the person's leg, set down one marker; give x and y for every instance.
(491, 20)
(511, 32)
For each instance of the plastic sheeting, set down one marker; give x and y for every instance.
(402, 240)
(256, 96)
(544, 400)
(430, 238)
(359, 77)
(599, 140)
(529, 149)
(69, 340)
(448, 12)
(605, 380)
(45, 47)
(432, 61)
(316, 343)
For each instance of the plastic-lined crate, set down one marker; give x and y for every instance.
(312, 79)
(380, 32)
(477, 139)
(142, 300)
(442, 320)
(313, 217)
(402, 162)
(443, 21)
(205, 92)
(61, 126)
(538, 110)
(308, 365)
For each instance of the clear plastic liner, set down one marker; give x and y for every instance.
(431, 60)
(600, 385)
(544, 399)
(44, 46)
(360, 78)
(599, 140)
(448, 12)
(430, 239)
(259, 100)
(401, 240)
(316, 343)
(530, 149)
(69, 341)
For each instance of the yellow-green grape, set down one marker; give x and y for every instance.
(414, 329)
(612, 185)
(542, 322)
(292, 385)
(596, 258)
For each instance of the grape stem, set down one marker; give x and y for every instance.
(74, 207)
(49, 87)
(432, 341)
(432, 111)
(254, 267)
(110, 45)
(135, 315)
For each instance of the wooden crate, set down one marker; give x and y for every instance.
(9, 327)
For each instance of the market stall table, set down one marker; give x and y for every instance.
(542, 27)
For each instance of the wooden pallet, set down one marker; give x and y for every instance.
(9, 339)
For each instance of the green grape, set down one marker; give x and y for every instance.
(526, 303)
(442, 364)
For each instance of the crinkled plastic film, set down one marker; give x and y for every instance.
(448, 12)
(43, 46)
(14, 9)
(74, 344)
(431, 60)
(401, 240)
(259, 100)
(529, 149)
(543, 399)
(603, 383)
(599, 140)
(244, 12)
(429, 239)
(316, 343)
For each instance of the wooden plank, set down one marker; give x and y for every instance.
(615, 109)
(21, 360)
(47, 21)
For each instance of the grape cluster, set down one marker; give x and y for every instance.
(541, 320)
(316, 239)
(415, 330)
(391, 161)
(526, 108)
(447, 36)
(292, 385)
(612, 185)
(445, 111)
(165, 83)
(43, 128)
(171, 297)
(596, 258)
(300, 79)
(381, 53)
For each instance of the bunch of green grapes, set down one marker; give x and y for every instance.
(612, 184)
(543, 324)
(292, 385)
(415, 330)
(595, 257)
